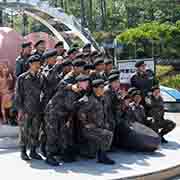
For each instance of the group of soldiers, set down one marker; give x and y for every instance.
(71, 103)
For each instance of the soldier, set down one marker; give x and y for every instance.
(108, 67)
(28, 102)
(87, 69)
(114, 98)
(72, 53)
(87, 48)
(59, 113)
(70, 78)
(48, 75)
(92, 56)
(143, 79)
(94, 123)
(21, 61)
(155, 105)
(39, 47)
(136, 108)
(66, 67)
(87, 58)
(99, 69)
(59, 46)
(49, 58)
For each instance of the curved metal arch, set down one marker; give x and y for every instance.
(58, 14)
(51, 28)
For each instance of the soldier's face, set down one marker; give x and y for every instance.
(142, 68)
(83, 85)
(52, 60)
(41, 47)
(79, 69)
(127, 102)
(137, 99)
(67, 69)
(60, 50)
(27, 50)
(35, 66)
(157, 93)
(99, 91)
(100, 67)
(115, 85)
(109, 67)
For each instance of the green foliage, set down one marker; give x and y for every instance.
(163, 70)
(160, 39)
(172, 81)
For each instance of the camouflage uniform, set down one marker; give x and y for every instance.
(156, 111)
(137, 112)
(114, 105)
(94, 113)
(58, 119)
(27, 98)
(144, 82)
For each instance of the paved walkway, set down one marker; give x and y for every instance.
(127, 164)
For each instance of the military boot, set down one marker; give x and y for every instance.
(43, 149)
(69, 155)
(50, 160)
(24, 155)
(163, 140)
(34, 155)
(104, 159)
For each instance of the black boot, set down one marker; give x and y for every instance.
(43, 150)
(34, 155)
(163, 140)
(50, 160)
(104, 159)
(24, 155)
(69, 155)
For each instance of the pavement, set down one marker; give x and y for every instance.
(127, 164)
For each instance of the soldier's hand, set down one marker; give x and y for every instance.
(20, 116)
(90, 126)
(75, 88)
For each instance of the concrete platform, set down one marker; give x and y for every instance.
(162, 164)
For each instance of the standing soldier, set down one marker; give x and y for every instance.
(108, 67)
(28, 102)
(87, 48)
(39, 47)
(78, 66)
(99, 69)
(94, 123)
(60, 48)
(21, 61)
(143, 79)
(155, 110)
(59, 121)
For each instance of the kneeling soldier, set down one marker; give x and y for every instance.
(95, 126)
(59, 122)
(155, 110)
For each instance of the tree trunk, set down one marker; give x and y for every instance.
(1, 18)
(62, 4)
(90, 15)
(83, 19)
